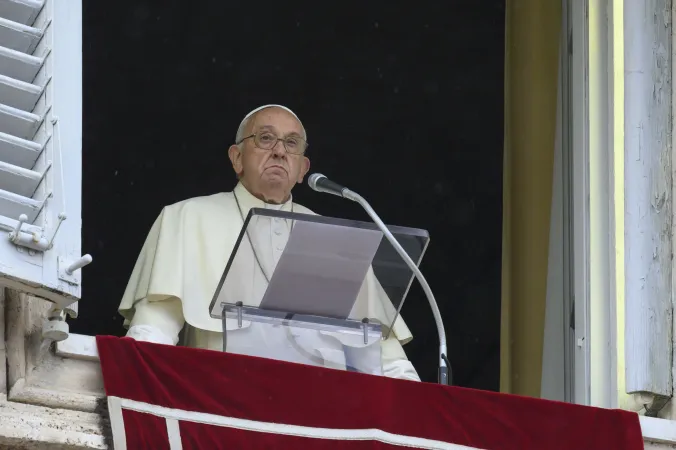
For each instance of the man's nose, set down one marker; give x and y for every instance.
(279, 150)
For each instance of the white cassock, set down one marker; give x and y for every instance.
(180, 265)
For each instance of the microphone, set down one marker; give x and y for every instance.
(320, 183)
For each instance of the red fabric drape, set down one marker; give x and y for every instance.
(276, 392)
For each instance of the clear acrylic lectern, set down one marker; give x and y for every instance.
(314, 290)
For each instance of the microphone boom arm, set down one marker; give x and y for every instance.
(444, 366)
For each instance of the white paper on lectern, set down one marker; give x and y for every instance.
(321, 269)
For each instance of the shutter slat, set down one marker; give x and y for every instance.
(19, 65)
(19, 180)
(21, 11)
(18, 123)
(19, 37)
(18, 94)
(19, 152)
(7, 224)
(13, 205)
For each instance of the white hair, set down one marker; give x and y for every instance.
(241, 130)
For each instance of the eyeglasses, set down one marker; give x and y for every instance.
(267, 141)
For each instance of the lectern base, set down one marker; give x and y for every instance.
(305, 339)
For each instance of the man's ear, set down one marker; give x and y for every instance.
(304, 168)
(235, 155)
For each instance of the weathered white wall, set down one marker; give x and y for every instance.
(656, 446)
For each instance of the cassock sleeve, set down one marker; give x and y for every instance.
(183, 258)
(151, 305)
(157, 275)
(373, 302)
(159, 322)
(395, 362)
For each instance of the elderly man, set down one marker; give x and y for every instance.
(177, 272)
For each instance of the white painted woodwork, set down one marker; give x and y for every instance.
(18, 123)
(13, 205)
(7, 224)
(21, 11)
(580, 181)
(555, 371)
(648, 196)
(19, 65)
(599, 287)
(565, 196)
(587, 238)
(18, 94)
(41, 148)
(19, 180)
(20, 152)
(19, 37)
(672, 411)
(658, 431)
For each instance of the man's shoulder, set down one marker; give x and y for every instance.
(221, 201)
(204, 203)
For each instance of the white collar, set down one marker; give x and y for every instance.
(247, 201)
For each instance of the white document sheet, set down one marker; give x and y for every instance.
(321, 269)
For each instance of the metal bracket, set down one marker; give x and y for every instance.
(655, 406)
(67, 268)
(55, 328)
(33, 241)
(365, 323)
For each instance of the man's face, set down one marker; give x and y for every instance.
(270, 174)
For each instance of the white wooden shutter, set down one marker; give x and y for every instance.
(41, 147)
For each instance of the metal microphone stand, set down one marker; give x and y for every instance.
(445, 375)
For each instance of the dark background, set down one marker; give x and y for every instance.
(403, 104)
